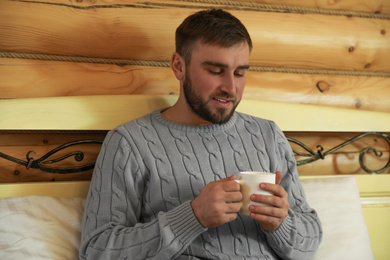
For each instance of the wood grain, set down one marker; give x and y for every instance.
(316, 41)
(107, 112)
(50, 78)
(346, 159)
(128, 31)
(373, 6)
(20, 144)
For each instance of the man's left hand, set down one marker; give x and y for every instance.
(272, 216)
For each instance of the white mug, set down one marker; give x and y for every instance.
(249, 184)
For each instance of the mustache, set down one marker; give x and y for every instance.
(224, 95)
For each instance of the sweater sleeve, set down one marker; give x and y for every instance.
(300, 234)
(113, 226)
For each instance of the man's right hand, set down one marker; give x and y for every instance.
(218, 202)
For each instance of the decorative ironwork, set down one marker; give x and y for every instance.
(320, 154)
(41, 163)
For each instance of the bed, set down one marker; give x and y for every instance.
(42, 220)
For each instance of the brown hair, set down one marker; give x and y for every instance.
(213, 26)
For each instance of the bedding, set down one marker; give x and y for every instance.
(338, 204)
(41, 227)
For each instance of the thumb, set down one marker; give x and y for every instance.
(230, 178)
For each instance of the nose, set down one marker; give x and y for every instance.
(228, 84)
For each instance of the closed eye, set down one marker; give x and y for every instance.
(215, 72)
(240, 73)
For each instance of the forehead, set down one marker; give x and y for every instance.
(234, 56)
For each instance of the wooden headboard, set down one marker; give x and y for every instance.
(97, 113)
(65, 134)
(330, 58)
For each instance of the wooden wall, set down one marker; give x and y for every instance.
(324, 53)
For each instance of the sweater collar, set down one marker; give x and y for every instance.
(193, 128)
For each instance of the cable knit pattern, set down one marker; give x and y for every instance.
(150, 169)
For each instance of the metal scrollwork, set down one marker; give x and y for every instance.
(320, 154)
(42, 163)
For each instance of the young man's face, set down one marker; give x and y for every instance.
(215, 80)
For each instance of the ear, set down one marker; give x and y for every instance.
(178, 66)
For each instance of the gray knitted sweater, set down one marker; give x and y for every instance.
(149, 170)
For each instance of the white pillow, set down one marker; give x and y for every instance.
(39, 227)
(337, 202)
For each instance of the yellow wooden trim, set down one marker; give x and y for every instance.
(378, 225)
(77, 112)
(303, 117)
(106, 112)
(369, 202)
(69, 189)
(378, 185)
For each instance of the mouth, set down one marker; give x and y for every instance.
(223, 102)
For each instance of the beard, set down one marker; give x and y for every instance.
(200, 106)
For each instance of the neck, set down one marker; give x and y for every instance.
(183, 114)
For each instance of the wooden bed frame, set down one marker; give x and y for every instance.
(106, 112)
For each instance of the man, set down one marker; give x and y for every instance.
(164, 184)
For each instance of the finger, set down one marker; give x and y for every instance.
(233, 207)
(273, 212)
(262, 213)
(231, 185)
(278, 177)
(233, 196)
(269, 201)
(268, 223)
(230, 217)
(275, 189)
(274, 201)
(266, 199)
(230, 178)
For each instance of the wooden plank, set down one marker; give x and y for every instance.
(343, 164)
(314, 41)
(352, 92)
(86, 112)
(32, 175)
(35, 146)
(374, 185)
(346, 159)
(329, 140)
(51, 78)
(128, 31)
(372, 6)
(106, 112)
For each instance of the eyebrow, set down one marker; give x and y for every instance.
(218, 64)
